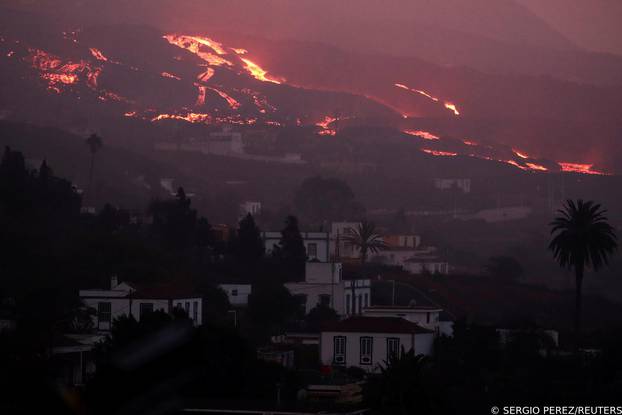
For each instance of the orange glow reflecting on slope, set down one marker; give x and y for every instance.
(580, 168)
(258, 72)
(439, 153)
(423, 134)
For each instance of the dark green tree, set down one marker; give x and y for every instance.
(291, 251)
(582, 237)
(247, 247)
(94, 143)
(175, 221)
(319, 200)
(504, 268)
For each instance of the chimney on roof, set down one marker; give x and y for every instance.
(114, 281)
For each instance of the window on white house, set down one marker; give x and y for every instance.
(104, 313)
(187, 308)
(366, 344)
(359, 303)
(312, 250)
(234, 292)
(348, 305)
(427, 318)
(339, 350)
(393, 348)
(145, 308)
(195, 311)
(366, 300)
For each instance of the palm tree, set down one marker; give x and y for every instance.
(582, 237)
(94, 142)
(366, 238)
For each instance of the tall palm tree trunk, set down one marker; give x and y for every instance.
(579, 269)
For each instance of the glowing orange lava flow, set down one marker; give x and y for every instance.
(205, 76)
(194, 44)
(170, 75)
(423, 134)
(233, 104)
(536, 167)
(449, 105)
(520, 154)
(580, 168)
(58, 73)
(258, 72)
(324, 125)
(192, 117)
(439, 153)
(469, 142)
(97, 54)
(201, 96)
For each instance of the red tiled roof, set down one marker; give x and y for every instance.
(375, 325)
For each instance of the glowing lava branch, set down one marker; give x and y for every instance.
(194, 44)
(520, 154)
(191, 117)
(58, 73)
(423, 134)
(97, 54)
(536, 167)
(258, 72)
(469, 142)
(439, 153)
(201, 96)
(580, 168)
(233, 104)
(205, 76)
(452, 107)
(449, 105)
(170, 75)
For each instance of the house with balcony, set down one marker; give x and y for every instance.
(124, 298)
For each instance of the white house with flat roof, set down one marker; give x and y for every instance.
(123, 298)
(368, 342)
(237, 293)
(317, 244)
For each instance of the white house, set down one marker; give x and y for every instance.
(447, 184)
(357, 295)
(250, 207)
(131, 299)
(223, 143)
(367, 342)
(339, 247)
(322, 285)
(237, 293)
(317, 244)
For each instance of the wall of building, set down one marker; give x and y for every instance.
(379, 352)
(237, 293)
(312, 294)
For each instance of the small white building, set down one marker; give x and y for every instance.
(447, 184)
(237, 293)
(339, 247)
(357, 295)
(222, 143)
(368, 342)
(248, 207)
(131, 299)
(322, 285)
(317, 244)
